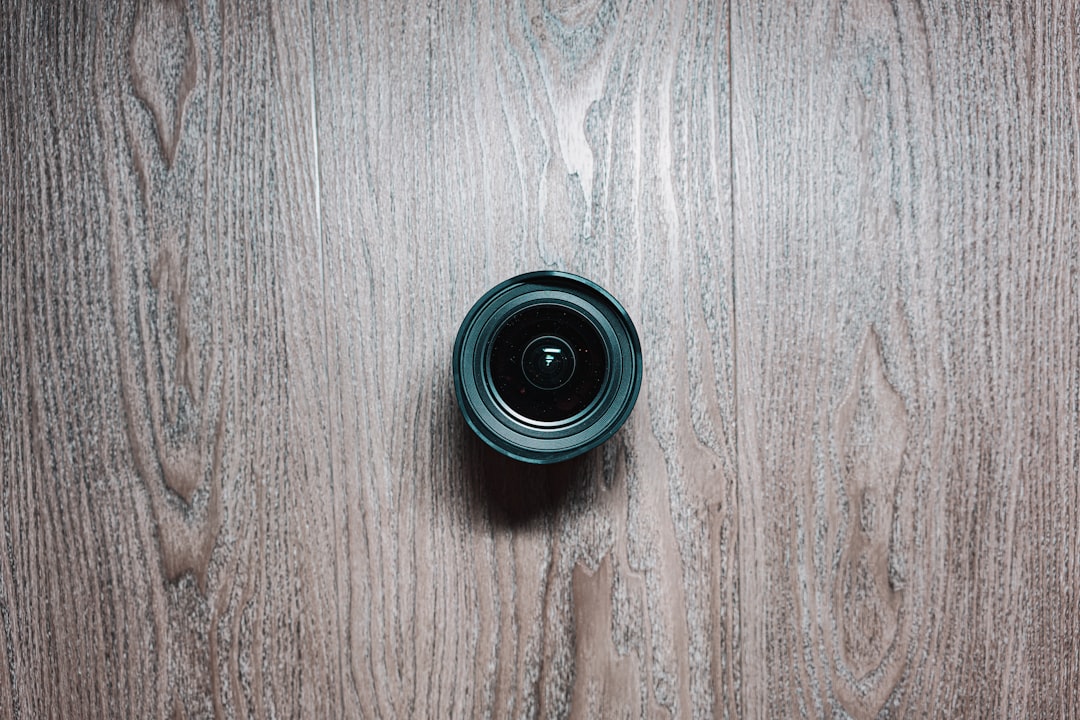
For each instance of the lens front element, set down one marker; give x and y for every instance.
(548, 362)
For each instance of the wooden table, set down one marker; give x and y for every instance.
(236, 241)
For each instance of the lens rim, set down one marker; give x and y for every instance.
(519, 437)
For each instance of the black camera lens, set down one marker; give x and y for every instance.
(547, 365)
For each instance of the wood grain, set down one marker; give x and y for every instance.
(907, 307)
(460, 145)
(158, 230)
(236, 240)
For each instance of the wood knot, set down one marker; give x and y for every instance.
(871, 433)
(164, 67)
(574, 13)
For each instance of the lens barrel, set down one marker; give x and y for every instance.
(547, 365)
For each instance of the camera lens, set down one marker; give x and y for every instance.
(547, 365)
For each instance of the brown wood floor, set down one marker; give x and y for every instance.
(237, 241)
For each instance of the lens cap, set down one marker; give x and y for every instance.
(547, 365)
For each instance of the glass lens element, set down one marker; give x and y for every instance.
(547, 362)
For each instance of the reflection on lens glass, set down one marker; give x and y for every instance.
(548, 362)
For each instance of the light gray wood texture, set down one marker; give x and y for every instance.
(236, 241)
(908, 315)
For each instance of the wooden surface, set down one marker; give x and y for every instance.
(236, 240)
